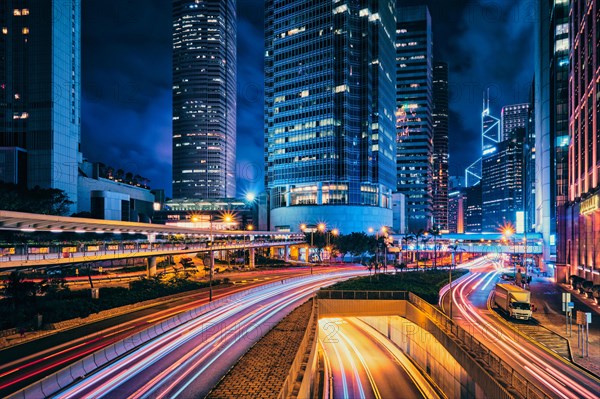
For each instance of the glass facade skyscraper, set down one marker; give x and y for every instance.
(513, 117)
(440, 145)
(204, 98)
(40, 87)
(329, 113)
(414, 124)
(551, 124)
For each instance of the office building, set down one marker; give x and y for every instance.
(473, 209)
(502, 182)
(514, 117)
(414, 123)
(529, 154)
(583, 207)
(40, 75)
(440, 145)
(456, 211)
(329, 113)
(551, 126)
(204, 98)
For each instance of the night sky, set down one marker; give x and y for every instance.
(126, 79)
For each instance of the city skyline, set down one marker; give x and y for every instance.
(122, 95)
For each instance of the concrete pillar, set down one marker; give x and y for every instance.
(151, 266)
(251, 258)
(286, 252)
(212, 263)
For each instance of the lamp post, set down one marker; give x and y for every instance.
(306, 229)
(509, 232)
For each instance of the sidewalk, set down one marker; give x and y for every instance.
(547, 296)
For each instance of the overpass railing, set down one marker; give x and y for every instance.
(484, 355)
(42, 251)
(342, 294)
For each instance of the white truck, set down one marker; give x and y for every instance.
(514, 300)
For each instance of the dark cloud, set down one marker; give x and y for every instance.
(126, 59)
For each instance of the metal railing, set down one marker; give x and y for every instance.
(351, 294)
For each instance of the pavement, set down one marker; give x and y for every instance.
(547, 296)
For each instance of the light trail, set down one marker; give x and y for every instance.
(186, 369)
(538, 368)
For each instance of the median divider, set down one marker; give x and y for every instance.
(67, 376)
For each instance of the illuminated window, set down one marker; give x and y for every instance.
(25, 11)
(5, 31)
(25, 31)
(16, 12)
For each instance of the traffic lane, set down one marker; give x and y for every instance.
(361, 366)
(167, 366)
(556, 377)
(29, 362)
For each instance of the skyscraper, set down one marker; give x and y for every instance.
(502, 182)
(329, 113)
(583, 209)
(440, 145)
(204, 98)
(40, 75)
(414, 88)
(551, 124)
(514, 117)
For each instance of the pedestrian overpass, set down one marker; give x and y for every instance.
(478, 243)
(113, 243)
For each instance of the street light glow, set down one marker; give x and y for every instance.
(321, 226)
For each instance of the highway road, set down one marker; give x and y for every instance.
(360, 363)
(556, 376)
(190, 359)
(26, 363)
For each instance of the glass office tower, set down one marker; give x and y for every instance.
(204, 98)
(329, 113)
(40, 87)
(552, 139)
(414, 102)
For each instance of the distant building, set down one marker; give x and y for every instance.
(204, 98)
(457, 202)
(218, 214)
(107, 198)
(502, 182)
(399, 210)
(329, 113)
(440, 145)
(473, 209)
(514, 117)
(40, 75)
(582, 213)
(414, 124)
(456, 182)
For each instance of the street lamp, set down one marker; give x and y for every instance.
(509, 232)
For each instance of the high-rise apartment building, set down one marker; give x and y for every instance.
(204, 98)
(40, 75)
(440, 145)
(414, 123)
(551, 125)
(329, 113)
(583, 208)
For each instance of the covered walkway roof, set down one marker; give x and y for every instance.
(32, 222)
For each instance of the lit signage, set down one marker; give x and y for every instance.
(589, 205)
(520, 222)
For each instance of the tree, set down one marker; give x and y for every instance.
(355, 244)
(46, 201)
(435, 232)
(20, 290)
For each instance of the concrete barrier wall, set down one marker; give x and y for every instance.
(428, 354)
(425, 342)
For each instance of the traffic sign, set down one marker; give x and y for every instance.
(566, 297)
